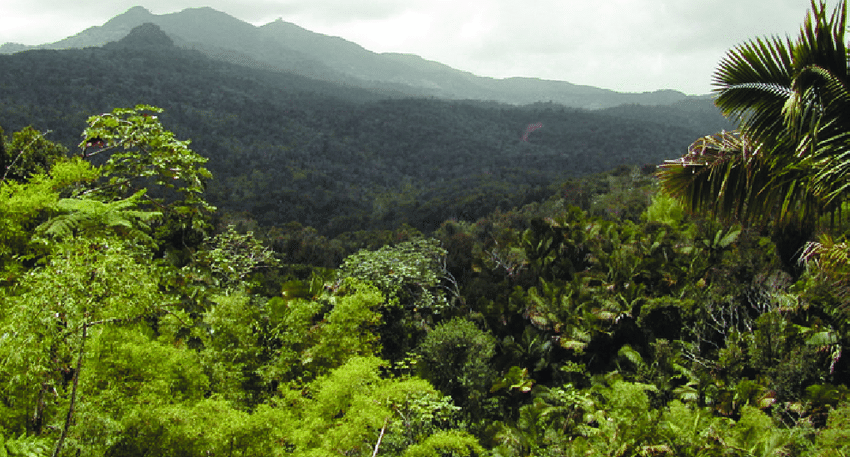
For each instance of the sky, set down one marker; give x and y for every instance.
(624, 45)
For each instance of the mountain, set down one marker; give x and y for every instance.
(284, 46)
(146, 35)
(284, 147)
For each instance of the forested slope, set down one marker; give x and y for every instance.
(283, 46)
(286, 148)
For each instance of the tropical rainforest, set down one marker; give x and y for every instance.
(153, 302)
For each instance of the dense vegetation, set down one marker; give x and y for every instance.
(603, 320)
(618, 327)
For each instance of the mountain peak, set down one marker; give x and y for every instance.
(146, 35)
(133, 16)
(138, 11)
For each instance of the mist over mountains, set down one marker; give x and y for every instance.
(284, 46)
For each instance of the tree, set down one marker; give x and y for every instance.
(791, 159)
(27, 154)
(51, 313)
(413, 277)
(231, 257)
(142, 154)
(77, 258)
(456, 360)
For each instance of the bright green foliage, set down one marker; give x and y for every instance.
(343, 417)
(835, 438)
(292, 323)
(95, 217)
(455, 444)
(142, 152)
(694, 431)
(86, 285)
(408, 273)
(687, 430)
(625, 422)
(107, 351)
(23, 446)
(250, 345)
(316, 336)
(755, 433)
(347, 330)
(22, 206)
(665, 209)
(127, 374)
(353, 411)
(135, 368)
(232, 348)
(78, 266)
(420, 411)
(208, 427)
(232, 257)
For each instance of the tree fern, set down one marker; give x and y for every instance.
(87, 215)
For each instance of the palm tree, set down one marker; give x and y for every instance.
(790, 160)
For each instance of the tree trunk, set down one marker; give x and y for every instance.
(76, 381)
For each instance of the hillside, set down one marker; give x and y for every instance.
(284, 46)
(288, 148)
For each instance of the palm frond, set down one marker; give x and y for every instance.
(753, 83)
(717, 175)
(827, 254)
(827, 140)
(791, 160)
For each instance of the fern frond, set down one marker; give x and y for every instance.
(77, 215)
(631, 355)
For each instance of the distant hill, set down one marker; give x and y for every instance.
(284, 147)
(284, 46)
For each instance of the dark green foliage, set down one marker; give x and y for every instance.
(456, 359)
(28, 153)
(418, 289)
(287, 148)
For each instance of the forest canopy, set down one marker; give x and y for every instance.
(605, 317)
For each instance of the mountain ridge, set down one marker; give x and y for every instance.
(338, 158)
(284, 46)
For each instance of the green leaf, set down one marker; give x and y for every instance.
(728, 239)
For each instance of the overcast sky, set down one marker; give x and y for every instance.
(625, 45)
